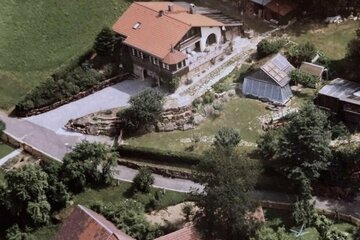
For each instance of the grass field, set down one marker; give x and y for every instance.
(38, 37)
(332, 39)
(5, 149)
(240, 113)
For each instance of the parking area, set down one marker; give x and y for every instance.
(114, 96)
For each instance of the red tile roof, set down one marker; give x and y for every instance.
(186, 233)
(85, 224)
(156, 34)
(282, 7)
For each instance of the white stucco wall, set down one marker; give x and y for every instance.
(205, 32)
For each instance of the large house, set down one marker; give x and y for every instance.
(341, 97)
(169, 40)
(270, 82)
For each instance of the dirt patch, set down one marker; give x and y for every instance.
(169, 215)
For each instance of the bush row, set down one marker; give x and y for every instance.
(305, 79)
(159, 155)
(62, 85)
(266, 47)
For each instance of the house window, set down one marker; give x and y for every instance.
(154, 60)
(166, 66)
(133, 51)
(179, 65)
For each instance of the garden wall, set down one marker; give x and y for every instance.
(10, 139)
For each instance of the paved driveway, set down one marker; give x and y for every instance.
(111, 97)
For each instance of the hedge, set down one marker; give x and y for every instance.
(305, 79)
(158, 155)
(266, 47)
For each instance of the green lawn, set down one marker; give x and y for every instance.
(239, 113)
(120, 192)
(5, 149)
(283, 218)
(38, 37)
(332, 39)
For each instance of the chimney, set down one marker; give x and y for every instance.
(161, 12)
(171, 7)
(192, 8)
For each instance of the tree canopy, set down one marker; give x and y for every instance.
(88, 164)
(225, 204)
(104, 42)
(145, 109)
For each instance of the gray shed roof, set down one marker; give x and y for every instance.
(340, 89)
(278, 68)
(312, 69)
(262, 2)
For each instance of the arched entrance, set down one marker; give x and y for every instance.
(211, 39)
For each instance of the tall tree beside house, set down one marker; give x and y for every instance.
(225, 204)
(105, 42)
(143, 180)
(144, 110)
(88, 164)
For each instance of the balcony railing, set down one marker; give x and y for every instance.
(190, 41)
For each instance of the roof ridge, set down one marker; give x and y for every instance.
(169, 15)
(91, 215)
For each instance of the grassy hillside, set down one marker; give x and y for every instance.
(37, 37)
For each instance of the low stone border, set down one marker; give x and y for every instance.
(12, 140)
(101, 85)
(164, 172)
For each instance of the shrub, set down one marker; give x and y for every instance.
(305, 79)
(268, 144)
(266, 47)
(173, 84)
(188, 211)
(208, 97)
(110, 70)
(197, 102)
(129, 217)
(144, 110)
(143, 180)
(299, 53)
(104, 42)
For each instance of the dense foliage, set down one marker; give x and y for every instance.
(227, 138)
(144, 110)
(59, 87)
(143, 180)
(305, 79)
(225, 204)
(267, 47)
(104, 42)
(304, 143)
(303, 52)
(173, 84)
(129, 217)
(88, 164)
(268, 233)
